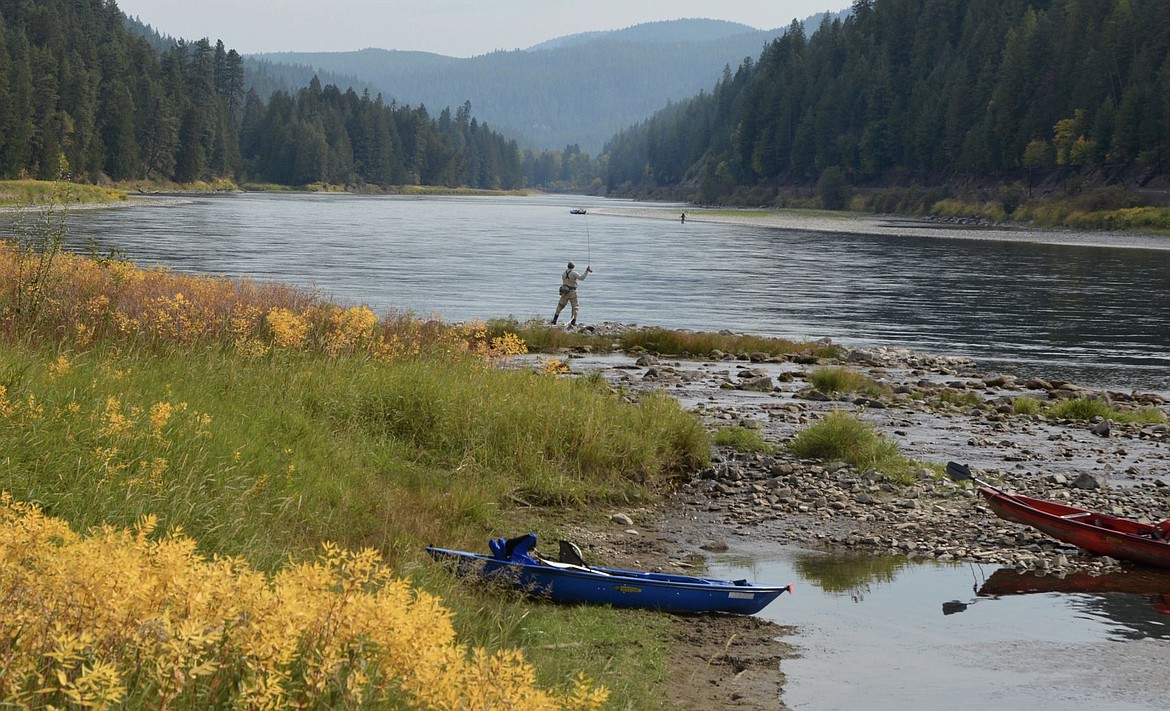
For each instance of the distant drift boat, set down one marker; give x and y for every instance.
(512, 564)
(577, 211)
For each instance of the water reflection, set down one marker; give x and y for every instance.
(1134, 602)
(871, 636)
(849, 575)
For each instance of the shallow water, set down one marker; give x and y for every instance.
(887, 633)
(1086, 307)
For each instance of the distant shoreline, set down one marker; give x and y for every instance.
(825, 222)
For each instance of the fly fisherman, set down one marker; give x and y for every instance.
(569, 280)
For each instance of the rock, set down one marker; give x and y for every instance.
(1088, 480)
(716, 546)
(1102, 428)
(759, 384)
(621, 519)
(646, 360)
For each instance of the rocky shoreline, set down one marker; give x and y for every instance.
(938, 409)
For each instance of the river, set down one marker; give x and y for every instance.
(1090, 308)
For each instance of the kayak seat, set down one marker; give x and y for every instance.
(514, 550)
(570, 553)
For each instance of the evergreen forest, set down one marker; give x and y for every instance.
(83, 97)
(924, 91)
(894, 92)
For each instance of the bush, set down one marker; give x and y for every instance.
(117, 617)
(834, 189)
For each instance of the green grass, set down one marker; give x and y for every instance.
(1088, 408)
(1026, 406)
(840, 436)
(956, 397)
(301, 449)
(268, 457)
(20, 193)
(834, 379)
(742, 439)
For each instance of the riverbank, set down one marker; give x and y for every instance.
(938, 409)
(831, 222)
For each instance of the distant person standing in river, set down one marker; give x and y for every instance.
(569, 280)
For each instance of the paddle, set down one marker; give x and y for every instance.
(962, 472)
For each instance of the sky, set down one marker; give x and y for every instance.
(456, 28)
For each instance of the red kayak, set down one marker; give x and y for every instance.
(1095, 532)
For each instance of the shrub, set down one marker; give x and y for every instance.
(117, 617)
(834, 188)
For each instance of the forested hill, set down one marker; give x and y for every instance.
(922, 89)
(84, 97)
(579, 89)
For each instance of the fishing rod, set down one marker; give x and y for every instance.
(588, 260)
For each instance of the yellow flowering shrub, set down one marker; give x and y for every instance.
(121, 616)
(101, 299)
(289, 330)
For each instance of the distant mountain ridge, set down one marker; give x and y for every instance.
(686, 30)
(579, 89)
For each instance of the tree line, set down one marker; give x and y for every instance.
(923, 89)
(83, 97)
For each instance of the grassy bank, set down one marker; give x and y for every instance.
(26, 193)
(1108, 208)
(264, 422)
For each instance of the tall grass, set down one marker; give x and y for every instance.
(1089, 408)
(835, 379)
(840, 436)
(24, 193)
(266, 457)
(263, 421)
(742, 439)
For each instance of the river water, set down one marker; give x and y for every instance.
(1083, 307)
(887, 634)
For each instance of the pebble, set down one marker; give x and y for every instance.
(1101, 465)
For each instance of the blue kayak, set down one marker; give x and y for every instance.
(513, 564)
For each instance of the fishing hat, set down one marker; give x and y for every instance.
(571, 265)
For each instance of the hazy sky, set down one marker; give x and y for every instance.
(458, 28)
